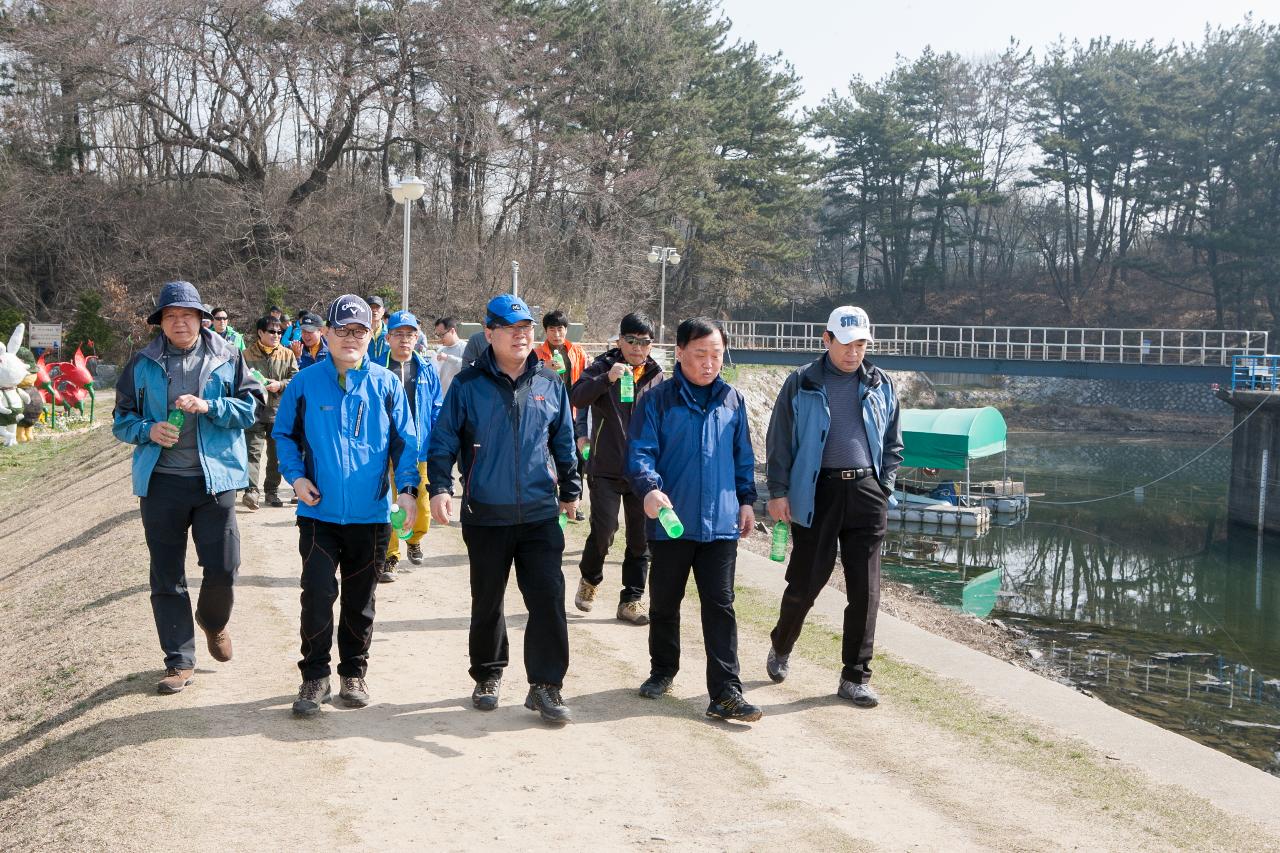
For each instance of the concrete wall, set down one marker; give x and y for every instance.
(1260, 432)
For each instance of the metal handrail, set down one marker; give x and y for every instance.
(1255, 373)
(1205, 347)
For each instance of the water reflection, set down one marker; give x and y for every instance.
(1154, 582)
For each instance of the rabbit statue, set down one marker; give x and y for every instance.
(12, 399)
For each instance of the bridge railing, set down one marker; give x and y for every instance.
(1255, 373)
(1202, 347)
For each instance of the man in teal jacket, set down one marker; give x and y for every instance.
(343, 425)
(186, 474)
(834, 448)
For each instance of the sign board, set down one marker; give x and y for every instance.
(45, 336)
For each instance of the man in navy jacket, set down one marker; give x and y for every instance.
(691, 452)
(509, 421)
(342, 427)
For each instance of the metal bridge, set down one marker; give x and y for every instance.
(1152, 355)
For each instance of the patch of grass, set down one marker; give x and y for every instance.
(1167, 812)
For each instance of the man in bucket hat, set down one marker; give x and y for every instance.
(341, 424)
(184, 402)
(834, 447)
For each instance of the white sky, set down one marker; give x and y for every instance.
(828, 41)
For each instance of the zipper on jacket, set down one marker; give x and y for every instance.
(515, 440)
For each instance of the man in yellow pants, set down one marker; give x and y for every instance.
(422, 387)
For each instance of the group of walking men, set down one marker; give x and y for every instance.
(365, 435)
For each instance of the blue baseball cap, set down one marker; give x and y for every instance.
(178, 294)
(506, 310)
(348, 309)
(400, 319)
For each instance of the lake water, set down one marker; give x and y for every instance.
(1150, 600)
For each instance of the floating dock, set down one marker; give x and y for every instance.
(942, 516)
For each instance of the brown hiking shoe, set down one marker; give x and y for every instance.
(250, 500)
(634, 612)
(219, 641)
(586, 596)
(175, 679)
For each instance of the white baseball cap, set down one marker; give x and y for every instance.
(848, 323)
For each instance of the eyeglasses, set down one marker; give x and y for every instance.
(274, 331)
(221, 319)
(637, 342)
(403, 334)
(518, 330)
(357, 332)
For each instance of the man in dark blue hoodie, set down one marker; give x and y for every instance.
(508, 419)
(690, 452)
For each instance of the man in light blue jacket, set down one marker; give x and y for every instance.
(184, 402)
(834, 447)
(342, 427)
(690, 451)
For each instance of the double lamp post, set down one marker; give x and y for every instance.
(663, 255)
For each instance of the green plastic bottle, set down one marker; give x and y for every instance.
(177, 417)
(670, 522)
(557, 361)
(627, 386)
(778, 548)
(586, 452)
(257, 374)
(564, 520)
(397, 523)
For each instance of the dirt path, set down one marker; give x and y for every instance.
(91, 758)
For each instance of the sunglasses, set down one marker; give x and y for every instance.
(220, 319)
(637, 341)
(274, 331)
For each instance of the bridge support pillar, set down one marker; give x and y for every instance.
(1254, 495)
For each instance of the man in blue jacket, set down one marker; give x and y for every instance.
(310, 346)
(186, 476)
(341, 424)
(691, 452)
(422, 388)
(835, 444)
(508, 418)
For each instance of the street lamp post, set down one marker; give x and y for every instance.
(663, 255)
(406, 191)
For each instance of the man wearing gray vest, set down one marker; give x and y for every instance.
(834, 447)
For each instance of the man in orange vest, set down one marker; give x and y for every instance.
(573, 358)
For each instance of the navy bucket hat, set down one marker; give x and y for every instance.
(178, 294)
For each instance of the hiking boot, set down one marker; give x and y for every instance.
(387, 571)
(778, 666)
(354, 692)
(175, 680)
(312, 692)
(546, 700)
(634, 612)
(859, 694)
(731, 706)
(219, 641)
(578, 516)
(250, 500)
(586, 596)
(485, 696)
(415, 553)
(656, 686)
(274, 500)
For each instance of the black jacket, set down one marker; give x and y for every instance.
(610, 417)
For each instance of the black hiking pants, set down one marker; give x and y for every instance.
(173, 506)
(354, 552)
(607, 494)
(850, 513)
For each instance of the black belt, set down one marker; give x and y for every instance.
(845, 473)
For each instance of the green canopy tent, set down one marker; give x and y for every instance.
(949, 438)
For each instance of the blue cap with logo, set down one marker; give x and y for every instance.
(506, 310)
(349, 309)
(402, 319)
(178, 294)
